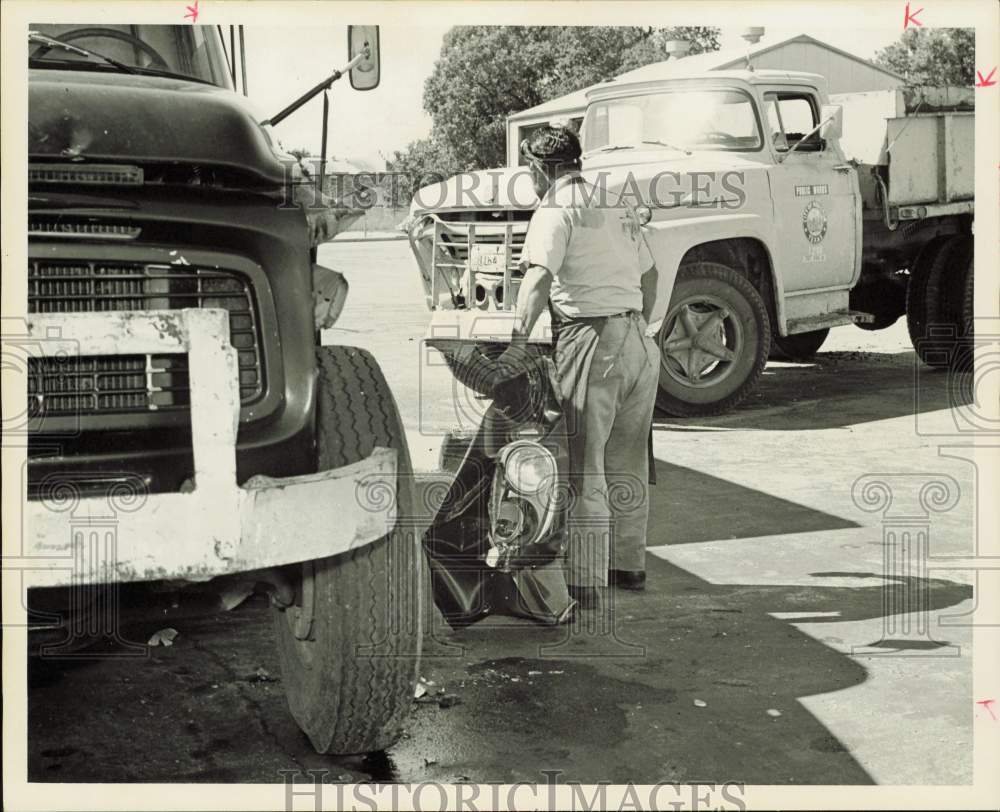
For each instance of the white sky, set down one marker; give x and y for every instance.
(285, 62)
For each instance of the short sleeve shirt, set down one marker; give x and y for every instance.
(590, 241)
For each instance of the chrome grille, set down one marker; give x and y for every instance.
(453, 243)
(130, 383)
(491, 280)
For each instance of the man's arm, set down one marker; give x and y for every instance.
(649, 283)
(532, 299)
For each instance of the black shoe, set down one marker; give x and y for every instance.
(634, 580)
(586, 597)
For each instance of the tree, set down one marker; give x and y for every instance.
(932, 56)
(653, 48)
(485, 73)
(421, 163)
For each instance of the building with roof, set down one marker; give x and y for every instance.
(844, 72)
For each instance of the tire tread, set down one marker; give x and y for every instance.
(360, 702)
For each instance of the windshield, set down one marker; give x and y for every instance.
(683, 119)
(190, 51)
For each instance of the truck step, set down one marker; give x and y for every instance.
(825, 320)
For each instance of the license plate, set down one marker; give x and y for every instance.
(487, 258)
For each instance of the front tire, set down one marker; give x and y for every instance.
(714, 341)
(350, 646)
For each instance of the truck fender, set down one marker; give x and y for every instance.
(669, 241)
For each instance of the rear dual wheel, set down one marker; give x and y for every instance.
(940, 302)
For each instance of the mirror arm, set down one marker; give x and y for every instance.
(232, 50)
(243, 60)
(315, 91)
(806, 137)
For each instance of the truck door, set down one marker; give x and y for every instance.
(814, 202)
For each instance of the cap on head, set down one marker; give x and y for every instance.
(554, 145)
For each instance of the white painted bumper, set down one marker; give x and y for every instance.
(218, 528)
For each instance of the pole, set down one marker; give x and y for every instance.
(322, 148)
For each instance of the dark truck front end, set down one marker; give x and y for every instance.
(186, 435)
(149, 193)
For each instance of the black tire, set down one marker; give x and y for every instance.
(958, 295)
(798, 347)
(884, 298)
(934, 299)
(919, 309)
(350, 684)
(706, 289)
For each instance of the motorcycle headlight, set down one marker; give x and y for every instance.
(528, 467)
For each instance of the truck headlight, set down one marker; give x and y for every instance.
(528, 467)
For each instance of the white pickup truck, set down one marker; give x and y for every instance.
(774, 213)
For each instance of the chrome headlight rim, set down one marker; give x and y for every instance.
(514, 455)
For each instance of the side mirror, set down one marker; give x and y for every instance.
(363, 39)
(832, 116)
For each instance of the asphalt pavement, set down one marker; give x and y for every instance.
(767, 649)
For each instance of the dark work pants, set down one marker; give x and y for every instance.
(609, 463)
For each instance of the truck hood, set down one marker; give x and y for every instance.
(114, 117)
(489, 189)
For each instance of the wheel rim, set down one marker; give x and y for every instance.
(700, 341)
(299, 616)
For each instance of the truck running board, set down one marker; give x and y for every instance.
(825, 320)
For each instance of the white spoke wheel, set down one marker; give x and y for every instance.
(350, 644)
(714, 341)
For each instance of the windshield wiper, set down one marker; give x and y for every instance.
(614, 147)
(41, 39)
(670, 146)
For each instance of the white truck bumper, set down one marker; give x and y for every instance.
(219, 527)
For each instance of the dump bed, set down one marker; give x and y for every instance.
(919, 139)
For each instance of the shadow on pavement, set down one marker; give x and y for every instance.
(696, 700)
(698, 682)
(582, 701)
(834, 390)
(725, 510)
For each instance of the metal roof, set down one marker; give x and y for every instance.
(686, 67)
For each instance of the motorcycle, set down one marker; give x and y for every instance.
(496, 543)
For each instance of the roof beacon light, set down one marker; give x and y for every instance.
(752, 36)
(677, 48)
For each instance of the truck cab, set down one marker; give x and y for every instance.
(765, 233)
(738, 179)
